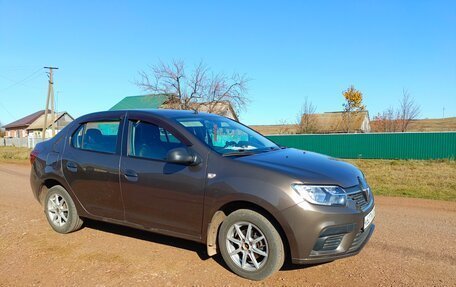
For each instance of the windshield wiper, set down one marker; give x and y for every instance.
(246, 152)
(240, 152)
(272, 148)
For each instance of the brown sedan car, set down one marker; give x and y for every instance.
(208, 179)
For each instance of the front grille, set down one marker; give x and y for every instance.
(359, 199)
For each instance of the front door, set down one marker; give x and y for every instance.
(158, 194)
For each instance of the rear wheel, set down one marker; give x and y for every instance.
(250, 245)
(60, 211)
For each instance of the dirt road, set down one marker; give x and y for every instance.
(414, 245)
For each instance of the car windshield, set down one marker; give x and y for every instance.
(227, 137)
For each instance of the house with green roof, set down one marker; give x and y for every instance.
(162, 101)
(151, 101)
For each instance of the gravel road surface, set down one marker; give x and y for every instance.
(414, 245)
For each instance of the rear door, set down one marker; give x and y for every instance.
(91, 166)
(158, 194)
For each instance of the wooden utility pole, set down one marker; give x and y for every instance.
(50, 100)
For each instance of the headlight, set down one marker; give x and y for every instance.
(322, 195)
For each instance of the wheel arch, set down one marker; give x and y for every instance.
(50, 182)
(220, 215)
(45, 186)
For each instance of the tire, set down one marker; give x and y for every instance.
(263, 240)
(60, 211)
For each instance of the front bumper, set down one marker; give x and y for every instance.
(322, 233)
(361, 238)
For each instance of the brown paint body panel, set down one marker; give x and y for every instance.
(165, 196)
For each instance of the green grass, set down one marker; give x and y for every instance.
(429, 179)
(14, 154)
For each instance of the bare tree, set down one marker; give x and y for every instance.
(387, 121)
(199, 86)
(284, 127)
(306, 121)
(408, 110)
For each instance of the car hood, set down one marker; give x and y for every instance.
(308, 167)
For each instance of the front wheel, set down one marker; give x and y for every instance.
(250, 245)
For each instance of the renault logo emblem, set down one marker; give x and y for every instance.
(364, 188)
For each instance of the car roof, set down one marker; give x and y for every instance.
(163, 113)
(170, 113)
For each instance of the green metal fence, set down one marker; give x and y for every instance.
(438, 145)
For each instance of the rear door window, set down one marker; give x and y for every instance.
(97, 136)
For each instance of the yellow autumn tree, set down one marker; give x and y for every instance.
(352, 105)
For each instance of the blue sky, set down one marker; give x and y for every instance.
(290, 50)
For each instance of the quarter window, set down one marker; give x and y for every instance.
(97, 136)
(76, 140)
(151, 141)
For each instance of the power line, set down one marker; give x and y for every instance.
(7, 78)
(21, 81)
(27, 85)
(57, 101)
(31, 76)
(16, 68)
(3, 107)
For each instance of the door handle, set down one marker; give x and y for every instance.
(71, 166)
(131, 175)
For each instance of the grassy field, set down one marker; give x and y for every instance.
(428, 125)
(14, 154)
(411, 178)
(406, 178)
(424, 125)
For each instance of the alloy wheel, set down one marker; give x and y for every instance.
(247, 246)
(57, 210)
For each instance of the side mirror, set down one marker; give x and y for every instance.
(182, 155)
